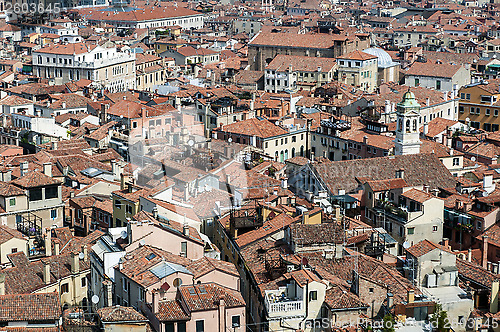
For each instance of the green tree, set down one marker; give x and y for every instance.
(389, 323)
(439, 319)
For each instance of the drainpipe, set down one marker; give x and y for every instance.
(307, 302)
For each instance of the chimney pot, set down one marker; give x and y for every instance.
(46, 272)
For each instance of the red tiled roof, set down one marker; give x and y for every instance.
(254, 127)
(30, 307)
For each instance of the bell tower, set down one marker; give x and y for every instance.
(407, 132)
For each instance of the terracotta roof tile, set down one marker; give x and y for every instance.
(30, 307)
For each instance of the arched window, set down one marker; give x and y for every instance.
(286, 154)
(177, 282)
(408, 126)
(302, 151)
(414, 125)
(293, 152)
(400, 124)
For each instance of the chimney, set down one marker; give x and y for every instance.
(446, 243)
(63, 105)
(365, 139)
(411, 296)
(48, 243)
(23, 167)
(57, 249)
(426, 188)
(400, 173)
(387, 107)
(2, 284)
(85, 252)
(115, 170)
(185, 229)
(428, 101)
(108, 285)
(390, 300)
(469, 255)
(484, 262)
(487, 182)
(156, 300)
(46, 272)
(494, 297)
(7, 175)
(426, 129)
(54, 145)
(445, 95)
(222, 314)
(155, 213)
(284, 183)
(75, 263)
(47, 169)
(305, 217)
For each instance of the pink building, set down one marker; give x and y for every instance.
(201, 308)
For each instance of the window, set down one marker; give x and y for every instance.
(313, 295)
(434, 228)
(184, 248)
(51, 192)
(181, 326)
(53, 214)
(472, 110)
(438, 85)
(462, 95)
(65, 288)
(13, 250)
(294, 139)
(456, 161)
(84, 282)
(177, 282)
(35, 194)
(12, 202)
(370, 289)
(495, 112)
(134, 124)
(118, 204)
(487, 112)
(124, 284)
(417, 82)
(235, 321)
(200, 326)
(411, 230)
(129, 208)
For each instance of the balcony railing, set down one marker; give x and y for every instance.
(392, 209)
(278, 304)
(284, 307)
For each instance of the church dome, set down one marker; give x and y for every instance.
(384, 59)
(409, 100)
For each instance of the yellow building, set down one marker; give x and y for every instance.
(358, 69)
(479, 105)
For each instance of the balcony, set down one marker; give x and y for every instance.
(278, 304)
(391, 210)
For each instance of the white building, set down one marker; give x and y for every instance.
(107, 67)
(147, 17)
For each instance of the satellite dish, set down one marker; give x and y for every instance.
(473, 158)
(95, 299)
(81, 255)
(229, 139)
(124, 234)
(329, 209)
(467, 119)
(406, 245)
(190, 142)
